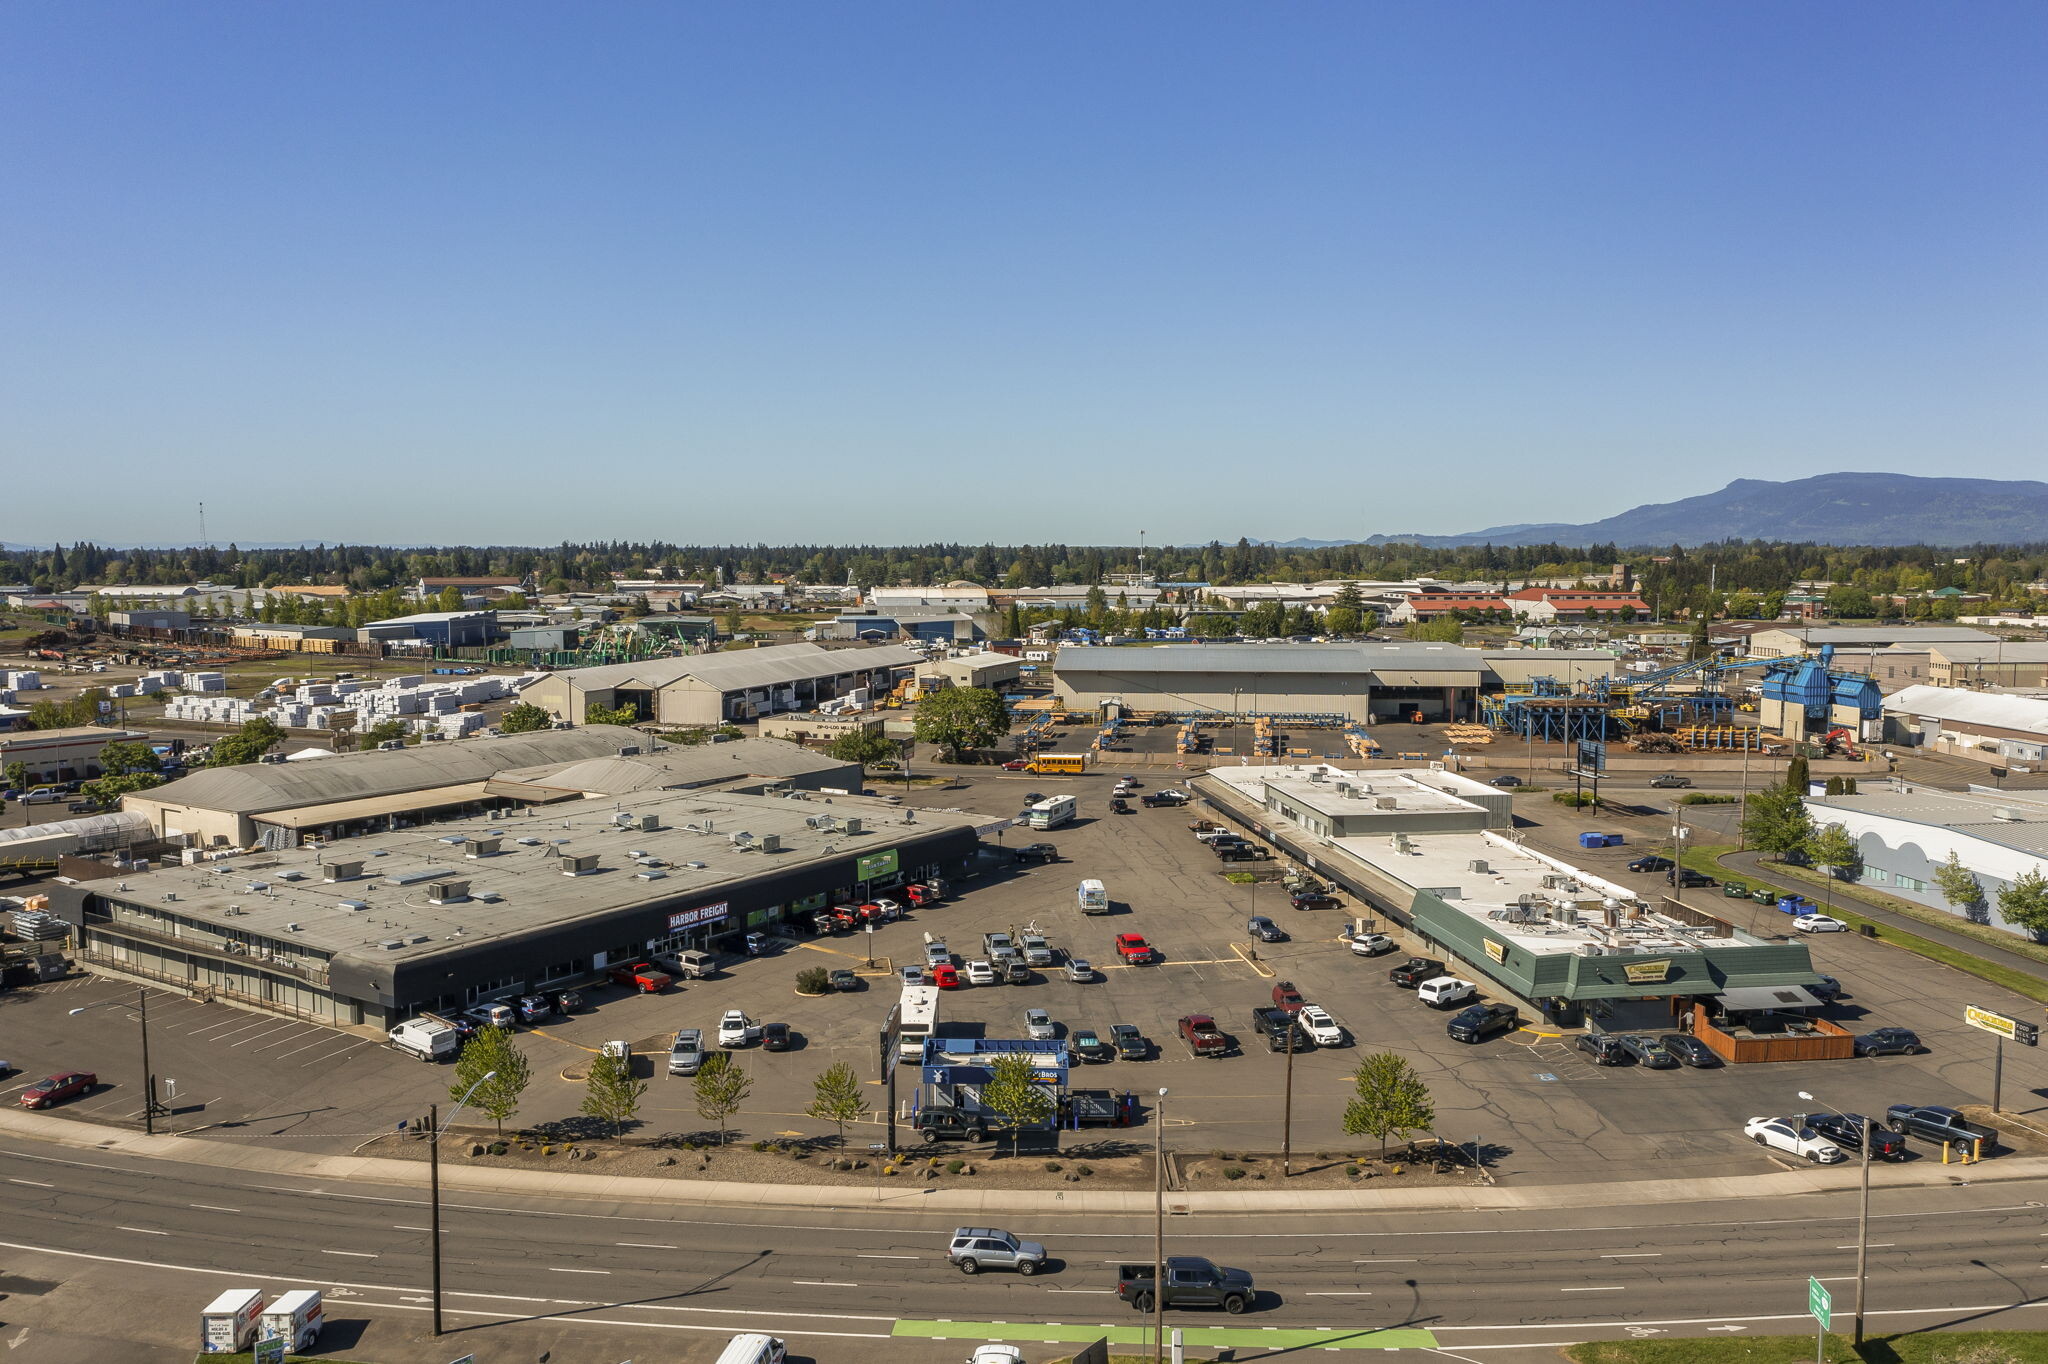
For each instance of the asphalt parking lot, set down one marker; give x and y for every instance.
(1542, 1109)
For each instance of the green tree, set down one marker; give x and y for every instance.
(1698, 646)
(732, 620)
(1013, 1093)
(1830, 847)
(1960, 887)
(523, 717)
(492, 1050)
(118, 760)
(1392, 1100)
(17, 775)
(1798, 774)
(246, 744)
(384, 731)
(594, 714)
(1447, 630)
(864, 746)
(721, 1087)
(960, 718)
(611, 1094)
(837, 1099)
(106, 792)
(450, 599)
(2024, 903)
(1775, 821)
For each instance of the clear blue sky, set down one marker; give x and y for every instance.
(881, 272)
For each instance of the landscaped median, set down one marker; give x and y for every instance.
(1708, 859)
(1934, 1347)
(1139, 1332)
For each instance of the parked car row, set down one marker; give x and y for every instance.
(1825, 1138)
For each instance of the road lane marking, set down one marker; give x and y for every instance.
(1410, 1260)
(212, 1207)
(352, 1254)
(1080, 1290)
(893, 1257)
(1596, 1288)
(824, 1283)
(146, 1231)
(37, 1183)
(1635, 1255)
(553, 1270)
(645, 1245)
(1335, 1293)
(1874, 1245)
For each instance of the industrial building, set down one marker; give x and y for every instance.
(447, 629)
(982, 669)
(54, 755)
(707, 689)
(487, 907)
(1366, 683)
(2003, 664)
(1906, 835)
(1422, 848)
(1985, 727)
(873, 623)
(1782, 641)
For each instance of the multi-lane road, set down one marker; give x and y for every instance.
(144, 1243)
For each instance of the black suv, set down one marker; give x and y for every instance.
(939, 1123)
(1889, 1042)
(1604, 1047)
(1846, 1131)
(1482, 1021)
(1414, 971)
(1038, 852)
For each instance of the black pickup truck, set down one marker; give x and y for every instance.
(1275, 1024)
(1939, 1124)
(1190, 1282)
(1097, 1108)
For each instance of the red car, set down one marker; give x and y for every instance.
(946, 977)
(1017, 765)
(1133, 948)
(1286, 996)
(69, 1085)
(920, 895)
(643, 977)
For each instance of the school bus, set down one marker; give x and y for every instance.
(1067, 763)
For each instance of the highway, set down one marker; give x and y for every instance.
(843, 1285)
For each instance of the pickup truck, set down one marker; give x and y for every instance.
(1096, 1108)
(641, 977)
(1275, 1025)
(1938, 1124)
(1037, 951)
(1190, 1282)
(1203, 1037)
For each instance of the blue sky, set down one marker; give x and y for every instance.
(899, 272)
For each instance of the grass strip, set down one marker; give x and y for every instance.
(1933, 1347)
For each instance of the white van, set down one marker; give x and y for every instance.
(1445, 991)
(1094, 898)
(752, 1348)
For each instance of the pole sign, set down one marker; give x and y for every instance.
(269, 1350)
(1592, 757)
(875, 864)
(1820, 1304)
(1990, 1022)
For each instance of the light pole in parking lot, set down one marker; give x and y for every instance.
(150, 1108)
(432, 1126)
(1159, 1228)
(1862, 1211)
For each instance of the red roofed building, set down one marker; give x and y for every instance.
(1436, 605)
(1553, 604)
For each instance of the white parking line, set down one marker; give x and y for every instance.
(212, 1207)
(322, 1040)
(146, 1231)
(1334, 1293)
(265, 1033)
(272, 1040)
(352, 1254)
(645, 1245)
(824, 1283)
(33, 1183)
(1596, 1288)
(896, 1257)
(1635, 1255)
(326, 1055)
(553, 1270)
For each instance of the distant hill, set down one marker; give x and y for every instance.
(1828, 509)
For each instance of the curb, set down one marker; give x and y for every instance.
(709, 1193)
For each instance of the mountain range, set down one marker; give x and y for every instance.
(1828, 509)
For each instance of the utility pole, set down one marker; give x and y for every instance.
(1287, 1118)
(148, 1075)
(434, 1202)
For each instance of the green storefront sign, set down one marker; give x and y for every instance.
(874, 865)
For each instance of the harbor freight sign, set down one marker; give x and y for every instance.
(875, 864)
(702, 914)
(1820, 1304)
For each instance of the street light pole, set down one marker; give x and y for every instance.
(149, 1104)
(1159, 1230)
(1862, 1217)
(1287, 1116)
(433, 1126)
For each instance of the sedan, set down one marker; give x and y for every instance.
(1264, 929)
(980, 973)
(1647, 1051)
(1089, 1046)
(1038, 1025)
(1789, 1137)
(844, 980)
(1689, 1050)
(1651, 863)
(1819, 923)
(1371, 944)
(1686, 876)
(1508, 779)
(1313, 900)
(1130, 1044)
(1078, 970)
(1846, 1131)
(777, 1037)
(1322, 1029)
(1016, 765)
(57, 1088)
(1889, 1042)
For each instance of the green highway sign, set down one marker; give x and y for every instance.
(1820, 1304)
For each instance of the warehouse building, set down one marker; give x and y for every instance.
(874, 623)
(983, 669)
(1986, 727)
(1905, 836)
(372, 931)
(1786, 640)
(54, 755)
(707, 689)
(448, 629)
(1363, 682)
(1576, 948)
(2003, 664)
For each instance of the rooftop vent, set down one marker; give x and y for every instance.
(629, 750)
(391, 944)
(649, 874)
(2009, 815)
(581, 864)
(447, 892)
(293, 875)
(255, 887)
(489, 897)
(291, 928)
(355, 906)
(482, 847)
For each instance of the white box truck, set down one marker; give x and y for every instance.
(427, 1038)
(228, 1324)
(1094, 897)
(296, 1317)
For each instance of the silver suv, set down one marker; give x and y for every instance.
(686, 1053)
(974, 1249)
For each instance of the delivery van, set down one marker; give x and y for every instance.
(1094, 897)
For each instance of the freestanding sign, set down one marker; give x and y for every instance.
(2004, 1029)
(1820, 1303)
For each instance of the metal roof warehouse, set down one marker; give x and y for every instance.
(705, 689)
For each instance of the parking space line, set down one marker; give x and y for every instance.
(358, 1042)
(287, 1041)
(322, 1040)
(265, 1033)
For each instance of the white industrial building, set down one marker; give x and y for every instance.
(1986, 727)
(1906, 835)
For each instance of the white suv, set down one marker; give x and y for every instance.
(1322, 1029)
(735, 1029)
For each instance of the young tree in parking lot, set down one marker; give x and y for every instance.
(2024, 903)
(611, 1094)
(863, 746)
(1392, 1100)
(837, 1098)
(1014, 1095)
(491, 1050)
(960, 718)
(1961, 888)
(1775, 821)
(523, 718)
(721, 1087)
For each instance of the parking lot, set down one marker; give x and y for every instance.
(1543, 1110)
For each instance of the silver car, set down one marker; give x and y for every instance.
(974, 1249)
(686, 1053)
(1078, 970)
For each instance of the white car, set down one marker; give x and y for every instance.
(1038, 1025)
(1789, 1137)
(735, 1029)
(1819, 923)
(996, 1354)
(890, 908)
(980, 973)
(1322, 1029)
(619, 1050)
(1370, 944)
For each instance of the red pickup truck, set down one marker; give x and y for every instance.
(1133, 949)
(643, 977)
(1203, 1037)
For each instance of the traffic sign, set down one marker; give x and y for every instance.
(1820, 1304)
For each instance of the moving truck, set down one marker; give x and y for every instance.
(296, 1317)
(427, 1038)
(228, 1323)
(1094, 897)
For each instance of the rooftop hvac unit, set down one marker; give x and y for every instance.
(343, 871)
(647, 824)
(1478, 864)
(1590, 949)
(649, 874)
(622, 818)
(1315, 774)
(355, 906)
(447, 892)
(771, 843)
(2009, 815)
(581, 864)
(852, 825)
(1386, 802)
(629, 750)
(235, 911)
(482, 847)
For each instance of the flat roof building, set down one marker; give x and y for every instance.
(1783, 640)
(1987, 727)
(53, 755)
(450, 629)
(707, 689)
(1904, 837)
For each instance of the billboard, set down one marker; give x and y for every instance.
(874, 864)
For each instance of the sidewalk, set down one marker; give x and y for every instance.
(639, 1189)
